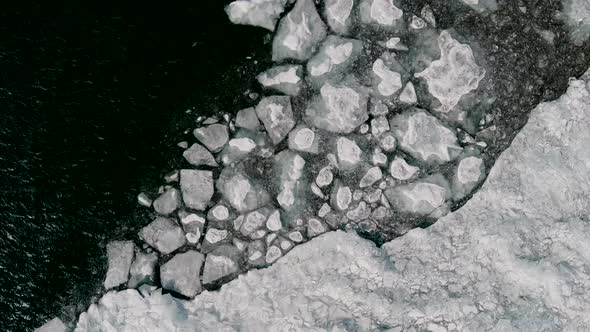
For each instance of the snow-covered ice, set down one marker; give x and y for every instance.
(196, 187)
(181, 273)
(163, 234)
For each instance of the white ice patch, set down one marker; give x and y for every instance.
(454, 75)
(335, 55)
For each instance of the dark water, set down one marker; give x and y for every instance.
(92, 98)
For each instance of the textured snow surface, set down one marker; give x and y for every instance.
(514, 258)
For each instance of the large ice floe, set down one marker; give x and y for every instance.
(362, 132)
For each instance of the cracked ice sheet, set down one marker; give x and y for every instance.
(512, 259)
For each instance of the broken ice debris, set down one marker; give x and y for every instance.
(348, 153)
(299, 33)
(387, 79)
(340, 108)
(468, 174)
(333, 60)
(54, 325)
(220, 263)
(425, 197)
(168, 202)
(196, 187)
(303, 139)
(408, 95)
(381, 14)
(454, 75)
(198, 155)
(339, 15)
(373, 175)
(261, 13)
(401, 170)
(425, 137)
(289, 166)
(242, 193)
(181, 273)
(247, 119)
(276, 115)
(120, 255)
(213, 136)
(163, 234)
(284, 79)
(142, 269)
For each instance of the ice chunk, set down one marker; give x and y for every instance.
(426, 197)
(241, 191)
(256, 253)
(296, 236)
(401, 170)
(272, 254)
(315, 227)
(386, 81)
(197, 155)
(196, 187)
(291, 185)
(361, 212)
(120, 254)
(219, 212)
(144, 200)
(261, 13)
(220, 263)
(163, 234)
(454, 75)
(324, 177)
(273, 223)
(348, 152)
(237, 149)
(340, 108)
(408, 95)
(303, 139)
(425, 137)
(334, 59)
(299, 33)
(168, 202)
(468, 174)
(214, 235)
(54, 325)
(373, 175)
(181, 273)
(276, 115)
(379, 125)
(339, 15)
(383, 14)
(193, 225)
(247, 119)
(341, 197)
(142, 270)
(285, 79)
(213, 136)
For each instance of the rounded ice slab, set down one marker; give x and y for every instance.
(427, 197)
(262, 13)
(340, 108)
(299, 33)
(454, 75)
(425, 137)
(181, 273)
